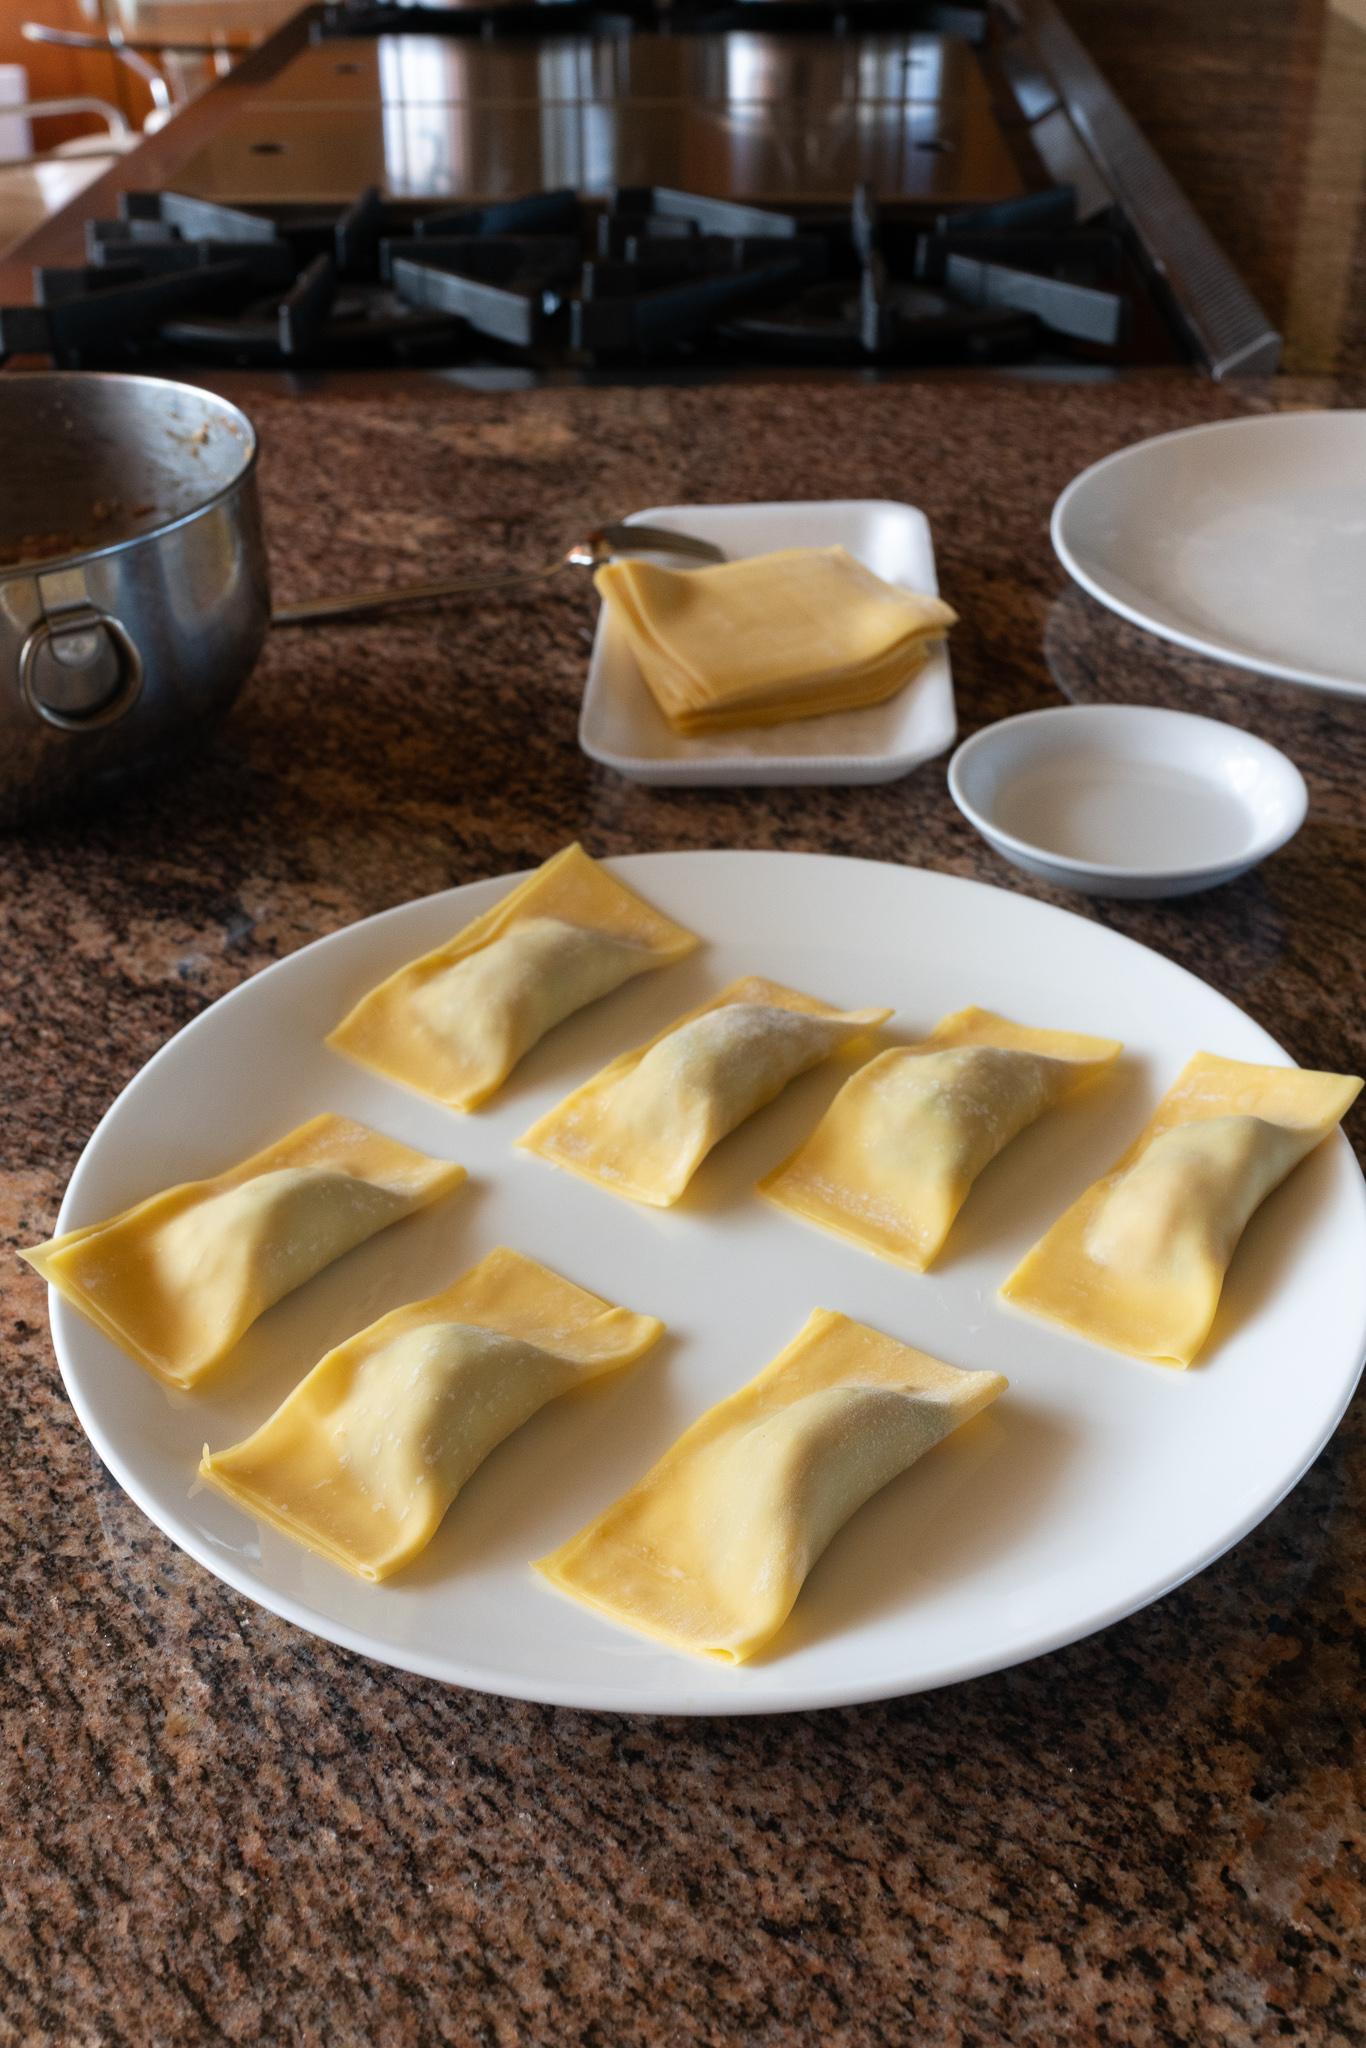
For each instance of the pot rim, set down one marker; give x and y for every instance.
(27, 571)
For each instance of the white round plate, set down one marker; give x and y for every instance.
(1127, 799)
(1094, 1485)
(1242, 539)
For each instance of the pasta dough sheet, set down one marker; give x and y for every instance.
(709, 1551)
(362, 1460)
(1138, 1263)
(891, 1162)
(178, 1279)
(643, 1126)
(770, 638)
(454, 1023)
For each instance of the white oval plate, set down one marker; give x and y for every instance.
(1243, 540)
(1095, 1485)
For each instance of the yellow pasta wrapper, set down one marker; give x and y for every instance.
(890, 1163)
(710, 1550)
(1138, 1263)
(454, 1023)
(770, 638)
(643, 1126)
(178, 1279)
(361, 1462)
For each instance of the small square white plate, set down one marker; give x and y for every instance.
(621, 726)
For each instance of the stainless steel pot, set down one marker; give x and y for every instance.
(133, 590)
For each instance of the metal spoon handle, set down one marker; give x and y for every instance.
(600, 546)
(629, 537)
(410, 593)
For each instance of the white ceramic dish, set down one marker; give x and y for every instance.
(1127, 799)
(1095, 1485)
(621, 726)
(1243, 540)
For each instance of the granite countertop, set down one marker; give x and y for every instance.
(218, 1829)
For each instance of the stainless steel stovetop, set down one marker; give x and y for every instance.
(929, 180)
(765, 116)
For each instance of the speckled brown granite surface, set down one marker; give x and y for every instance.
(218, 1829)
(213, 1828)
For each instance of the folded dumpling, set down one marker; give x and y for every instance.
(891, 1162)
(772, 637)
(643, 1126)
(454, 1024)
(362, 1460)
(1139, 1261)
(179, 1278)
(709, 1551)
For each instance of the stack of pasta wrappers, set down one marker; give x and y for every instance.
(775, 637)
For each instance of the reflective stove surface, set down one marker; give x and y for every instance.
(740, 65)
(777, 119)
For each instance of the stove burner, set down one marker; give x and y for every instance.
(854, 321)
(658, 277)
(669, 266)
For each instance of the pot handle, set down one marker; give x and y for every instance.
(79, 667)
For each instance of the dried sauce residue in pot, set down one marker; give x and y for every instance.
(63, 541)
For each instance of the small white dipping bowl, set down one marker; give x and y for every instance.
(1127, 799)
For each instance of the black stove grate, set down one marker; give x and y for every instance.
(653, 278)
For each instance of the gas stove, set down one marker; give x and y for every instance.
(842, 183)
(651, 278)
